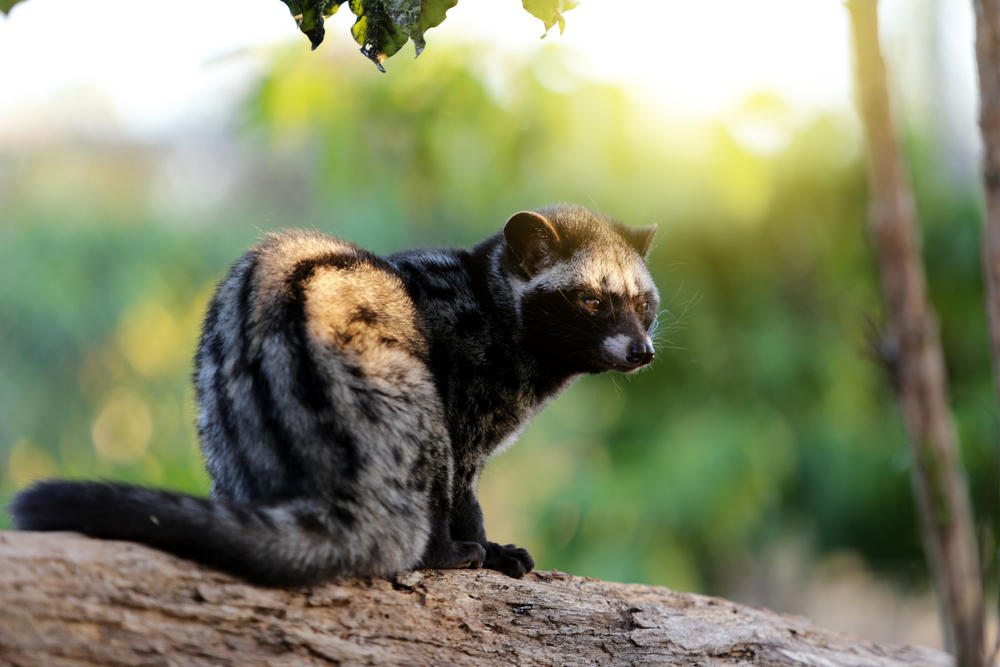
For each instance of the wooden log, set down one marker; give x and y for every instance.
(68, 600)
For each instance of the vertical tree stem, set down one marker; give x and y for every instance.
(913, 350)
(988, 57)
(988, 61)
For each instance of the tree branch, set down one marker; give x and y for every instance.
(70, 600)
(914, 354)
(988, 58)
(988, 61)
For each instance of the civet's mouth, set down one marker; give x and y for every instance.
(626, 354)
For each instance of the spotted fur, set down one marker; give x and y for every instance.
(348, 402)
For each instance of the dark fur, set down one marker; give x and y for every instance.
(348, 402)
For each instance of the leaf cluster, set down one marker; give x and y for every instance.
(383, 27)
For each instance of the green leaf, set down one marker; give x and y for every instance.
(417, 16)
(550, 11)
(309, 14)
(6, 5)
(379, 36)
(404, 13)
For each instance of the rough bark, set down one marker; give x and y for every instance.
(68, 600)
(988, 62)
(913, 352)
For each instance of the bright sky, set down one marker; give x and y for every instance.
(694, 58)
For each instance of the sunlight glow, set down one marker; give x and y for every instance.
(690, 58)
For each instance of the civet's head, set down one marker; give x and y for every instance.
(586, 299)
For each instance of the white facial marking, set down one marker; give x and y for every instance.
(617, 346)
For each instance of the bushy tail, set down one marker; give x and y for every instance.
(273, 544)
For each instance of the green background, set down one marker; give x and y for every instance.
(765, 420)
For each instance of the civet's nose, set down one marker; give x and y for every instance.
(640, 353)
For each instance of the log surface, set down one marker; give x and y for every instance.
(68, 600)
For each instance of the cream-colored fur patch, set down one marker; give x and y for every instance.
(334, 297)
(619, 269)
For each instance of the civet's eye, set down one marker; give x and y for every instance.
(641, 307)
(592, 303)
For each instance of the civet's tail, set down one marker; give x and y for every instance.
(275, 544)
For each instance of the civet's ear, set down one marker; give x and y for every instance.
(533, 239)
(640, 238)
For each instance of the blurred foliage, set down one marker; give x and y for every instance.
(765, 414)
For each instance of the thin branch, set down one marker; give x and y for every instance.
(988, 61)
(920, 379)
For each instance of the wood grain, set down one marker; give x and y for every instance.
(68, 600)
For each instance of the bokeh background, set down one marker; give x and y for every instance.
(760, 458)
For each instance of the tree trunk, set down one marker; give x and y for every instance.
(913, 354)
(988, 59)
(988, 63)
(68, 600)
